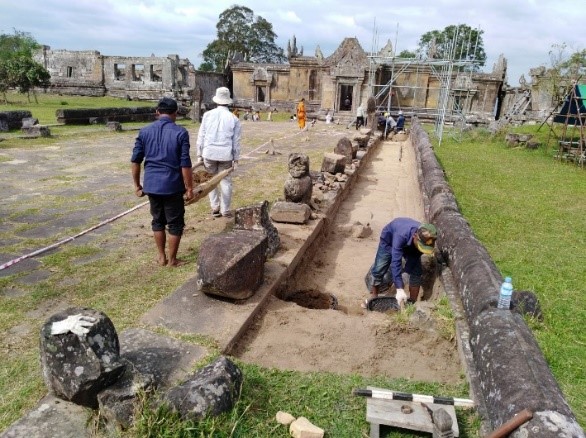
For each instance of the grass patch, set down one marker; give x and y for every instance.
(324, 398)
(50, 103)
(528, 211)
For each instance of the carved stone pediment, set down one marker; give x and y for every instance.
(260, 74)
(349, 59)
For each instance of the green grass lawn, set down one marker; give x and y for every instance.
(48, 103)
(529, 211)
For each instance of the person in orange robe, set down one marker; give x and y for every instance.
(301, 113)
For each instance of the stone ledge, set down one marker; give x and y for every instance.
(528, 381)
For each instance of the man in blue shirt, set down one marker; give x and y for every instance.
(164, 147)
(402, 238)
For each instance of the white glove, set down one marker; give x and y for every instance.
(76, 324)
(200, 159)
(401, 297)
(234, 164)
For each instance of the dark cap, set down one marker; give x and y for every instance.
(167, 105)
(426, 236)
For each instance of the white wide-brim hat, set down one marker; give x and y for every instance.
(222, 96)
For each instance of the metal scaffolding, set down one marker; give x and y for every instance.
(453, 75)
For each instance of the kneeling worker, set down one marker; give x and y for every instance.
(402, 238)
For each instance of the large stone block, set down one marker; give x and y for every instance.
(231, 264)
(256, 218)
(36, 131)
(290, 212)
(344, 147)
(209, 392)
(13, 119)
(76, 367)
(333, 163)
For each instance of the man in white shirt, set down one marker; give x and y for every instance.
(218, 146)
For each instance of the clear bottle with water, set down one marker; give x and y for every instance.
(505, 294)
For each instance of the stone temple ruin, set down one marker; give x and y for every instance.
(447, 90)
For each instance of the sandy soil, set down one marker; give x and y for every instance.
(352, 340)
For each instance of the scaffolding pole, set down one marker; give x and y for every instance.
(443, 70)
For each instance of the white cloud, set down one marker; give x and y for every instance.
(523, 30)
(288, 16)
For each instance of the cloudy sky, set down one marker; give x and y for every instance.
(523, 30)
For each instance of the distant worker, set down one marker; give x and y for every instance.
(301, 113)
(329, 118)
(347, 103)
(402, 239)
(360, 117)
(218, 147)
(390, 124)
(400, 122)
(164, 148)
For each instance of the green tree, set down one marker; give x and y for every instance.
(407, 54)
(458, 42)
(564, 70)
(18, 69)
(239, 31)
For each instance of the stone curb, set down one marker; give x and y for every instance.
(505, 366)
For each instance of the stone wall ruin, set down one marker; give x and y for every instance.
(89, 73)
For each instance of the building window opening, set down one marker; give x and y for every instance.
(69, 72)
(120, 72)
(137, 72)
(155, 74)
(260, 94)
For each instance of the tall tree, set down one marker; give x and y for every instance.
(239, 31)
(458, 42)
(18, 69)
(565, 69)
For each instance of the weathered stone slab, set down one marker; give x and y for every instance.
(114, 126)
(209, 392)
(153, 362)
(27, 122)
(103, 115)
(53, 418)
(118, 402)
(344, 147)
(303, 428)
(256, 218)
(76, 367)
(333, 163)
(36, 131)
(290, 212)
(231, 264)
(13, 119)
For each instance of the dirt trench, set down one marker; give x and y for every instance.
(350, 339)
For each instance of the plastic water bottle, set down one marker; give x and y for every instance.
(505, 294)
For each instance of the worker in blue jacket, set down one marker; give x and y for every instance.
(402, 239)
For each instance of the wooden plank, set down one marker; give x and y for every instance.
(203, 189)
(389, 413)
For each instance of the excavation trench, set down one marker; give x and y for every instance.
(305, 329)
